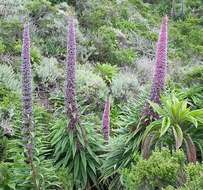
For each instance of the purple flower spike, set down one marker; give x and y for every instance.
(70, 92)
(161, 63)
(160, 71)
(106, 120)
(27, 91)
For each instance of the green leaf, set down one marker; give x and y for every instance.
(178, 136)
(74, 148)
(57, 136)
(92, 175)
(192, 120)
(165, 125)
(83, 158)
(153, 126)
(64, 143)
(76, 166)
(12, 186)
(84, 173)
(92, 166)
(70, 133)
(156, 107)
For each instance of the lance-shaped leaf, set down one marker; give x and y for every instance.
(178, 134)
(166, 123)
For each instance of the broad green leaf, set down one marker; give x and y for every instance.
(165, 125)
(197, 114)
(178, 135)
(192, 120)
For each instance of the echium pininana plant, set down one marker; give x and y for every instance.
(27, 94)
(160, 67)
(28, 127)
(70, 92)
(106, 120)
(161, 62)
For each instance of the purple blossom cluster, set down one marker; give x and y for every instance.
(106, 120)
(161, 62)
(160, 69)
(27, 92)
(70, 91)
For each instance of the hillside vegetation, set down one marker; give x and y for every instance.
(101, 94)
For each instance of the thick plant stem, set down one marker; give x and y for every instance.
(27, 124)
(106, 120)
(70, 92)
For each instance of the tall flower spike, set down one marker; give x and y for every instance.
(106, 120)
(161, 62)
(27, 93)
(160, 70)
(70, 92)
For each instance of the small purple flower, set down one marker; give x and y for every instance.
(106, 120)
(70, 92)
(27, 90)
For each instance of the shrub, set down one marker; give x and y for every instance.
(90, 87)
(194, 76)
(160, 170)
(48, 71)
(111, 47)
(8, 78)
(2, 47)
(125, 86)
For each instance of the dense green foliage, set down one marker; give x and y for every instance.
(163, 170)
(116, 42)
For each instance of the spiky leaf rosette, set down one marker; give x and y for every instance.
(119, 155)
(179, 121)
(78, 152)
(121, 150)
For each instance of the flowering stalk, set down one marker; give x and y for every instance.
(161, 62)
(106, 120)
(27, 93)
(160, 69)
(28, 127)
(70, 92)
